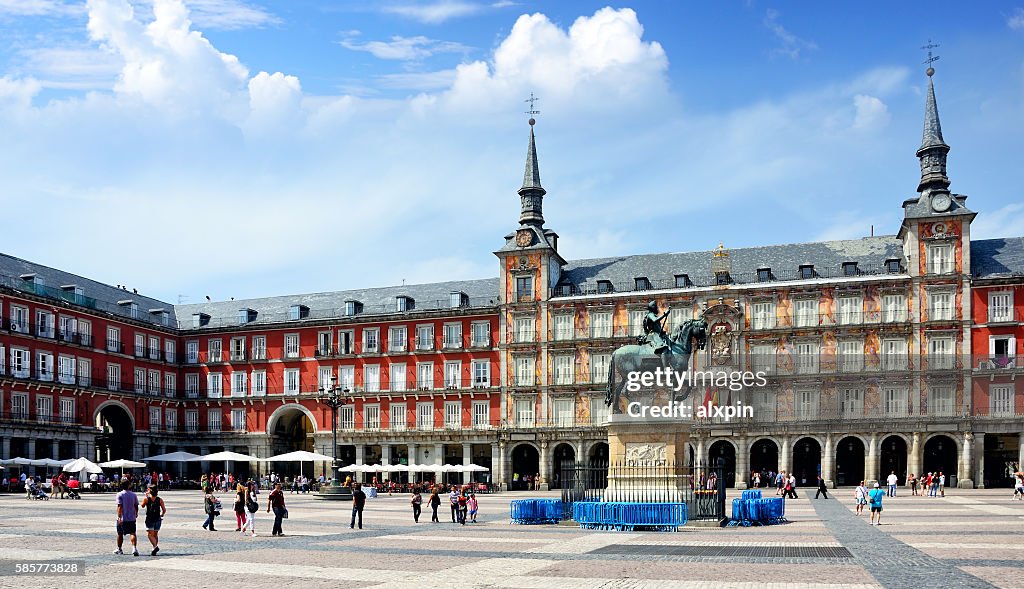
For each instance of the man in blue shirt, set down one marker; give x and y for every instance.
(875, 500)
(127, 513)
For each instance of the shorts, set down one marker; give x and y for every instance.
(472, 512)
(153, 526)
(876, 509)
(862, 502)
(126, 528)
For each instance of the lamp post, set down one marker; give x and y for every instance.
(333, 397)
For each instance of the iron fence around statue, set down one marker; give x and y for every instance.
(702, 488)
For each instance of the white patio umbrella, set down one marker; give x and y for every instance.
(83, 464)
(50, 462)
(178, 457)
(300, 456)
(122, 463)
(397, 468)
(476, 468)
(226, 457)
(349, 468)
(18, 461)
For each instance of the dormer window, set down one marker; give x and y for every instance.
(404, 303)
(199, 320)
(604, 286)
(806, 271)
(353, 308)
(850, 269)
(683, 281)
(892, 266)
(246, 316)
(131, 306)
(74, 293)
(642, 283)
(296, 312)
(722, 278)
(764, 274)
(458, 299)
(162, 315)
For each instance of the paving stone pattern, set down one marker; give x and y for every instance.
(968, 539)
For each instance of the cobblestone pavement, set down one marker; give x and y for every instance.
(963, 540)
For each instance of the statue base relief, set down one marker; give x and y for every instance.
(645, 459)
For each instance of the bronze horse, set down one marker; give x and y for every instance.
(635, 358)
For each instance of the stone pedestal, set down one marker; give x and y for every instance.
(646, 459)
(334, 493)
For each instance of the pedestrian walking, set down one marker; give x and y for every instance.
(912, 481)
(127, 513)
(358, 501)
(892, 481)
(473, 505)
(790, 489)
(252, 505)
(275, 501)
(942, 484)
(155, 512)
(239, 507)
(417, 505)
(212, 507)
(861, 495)
(875, 498)
(453, 498)
(435, 502)
(1018, 487)
(822, 488)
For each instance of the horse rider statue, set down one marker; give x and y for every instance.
(654, 329)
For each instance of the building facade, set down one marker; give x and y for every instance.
(883, 354)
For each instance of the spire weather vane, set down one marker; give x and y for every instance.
(931, 58)
(532, 99)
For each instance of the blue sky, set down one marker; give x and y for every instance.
(238, 148)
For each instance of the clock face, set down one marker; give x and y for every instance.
(941, 202)
(523, 238)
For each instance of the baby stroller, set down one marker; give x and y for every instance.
(38, 493)
(72, 492)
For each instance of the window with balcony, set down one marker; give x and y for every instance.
(762, 358)
(807, 404)
(683, 280)
(323, 379)
(764, 274)
(424, 337)
(67, 410)
(65, 369)
(114, 340)
(524, 330)
(601, 324)
(403, 304)
(45, 324)
(214, 420)
(524, 372)
(398, 378)
(806, 271)
(238, 420)
(1000, 307)
(397, 339)
(291, 381)
(154, 419)
(481, 414)
(563, 369)
(481, 373)
(371, 417)
(940, 306)
(3, 359)
(1000, 400)
(192, 386)
(851, 356)
(21, 362)
(894, 308)
(44, 408)
(851, 403)
(44, 366)
(850, 269)
(562, 326)
(1001, 351)
(641, 283)
(237, 349)
(599, 365)
(347, 377)
(806, 312)
(170, 351)
(763, 316)
(425, 416)
(524, 288)
(191, 351)
(239, 384)
(894, 354)
(259, 383)
(154, 348)
(452, 336)
(892, 266)
(939, 258)
(371, 341)
(457, 300)
(941, 401)
(425, 376)
(481, 335)
(324, 343)
(140, 345)
(171, 419)
(940, 353)
(807, 357)
(453, 375)
(850, 310)
(19, 319)
(259, 347)
(353, 308)
(214, 351)
(84, 333)
(291, 345)
(453, 415)
(636, 322)
(19, 406)
(894, 402)
(191, 421)
(214, 385)
(345, 341)
(139, 381)
(347, 417)
(68, 328)
(170, 384)
(371, 378)
(598, 411)
(154, 382)
(397, 417)
(525, 413)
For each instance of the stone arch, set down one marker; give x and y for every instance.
(524, 459)
(849, 459)
(116, 403)
(286, 408)
(729, 472)
(764, 455)
(563, 462)
(806, 458)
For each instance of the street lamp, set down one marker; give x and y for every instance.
(333, 397)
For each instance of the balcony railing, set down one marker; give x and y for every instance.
(997, 363)
(1004, 315)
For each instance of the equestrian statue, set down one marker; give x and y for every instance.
(655, 349)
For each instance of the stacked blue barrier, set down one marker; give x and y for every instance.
(536, 511)
(621, 516)
(757, 511)
(751, 494)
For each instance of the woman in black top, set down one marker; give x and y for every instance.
(239, 506)
(435, 502)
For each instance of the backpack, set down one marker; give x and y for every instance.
(251, 505)
(153, 510)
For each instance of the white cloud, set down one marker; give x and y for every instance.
(420, 81)
(1007, 221)
(18, 92)
(433, 12)
(1016, 20)
(871, 112)
(790, 45)
(228, 14)
(77, 68)
(405, 48)
(39, 8)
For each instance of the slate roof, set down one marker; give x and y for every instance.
(997, 258)
(96, 295)
(920, 207)
(323, 305)
(870, 253)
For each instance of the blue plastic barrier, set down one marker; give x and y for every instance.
(536, 511)
(621, 516)
(751, 494)
(748, 512)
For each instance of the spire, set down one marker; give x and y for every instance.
(933, 150)
(532, 193)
